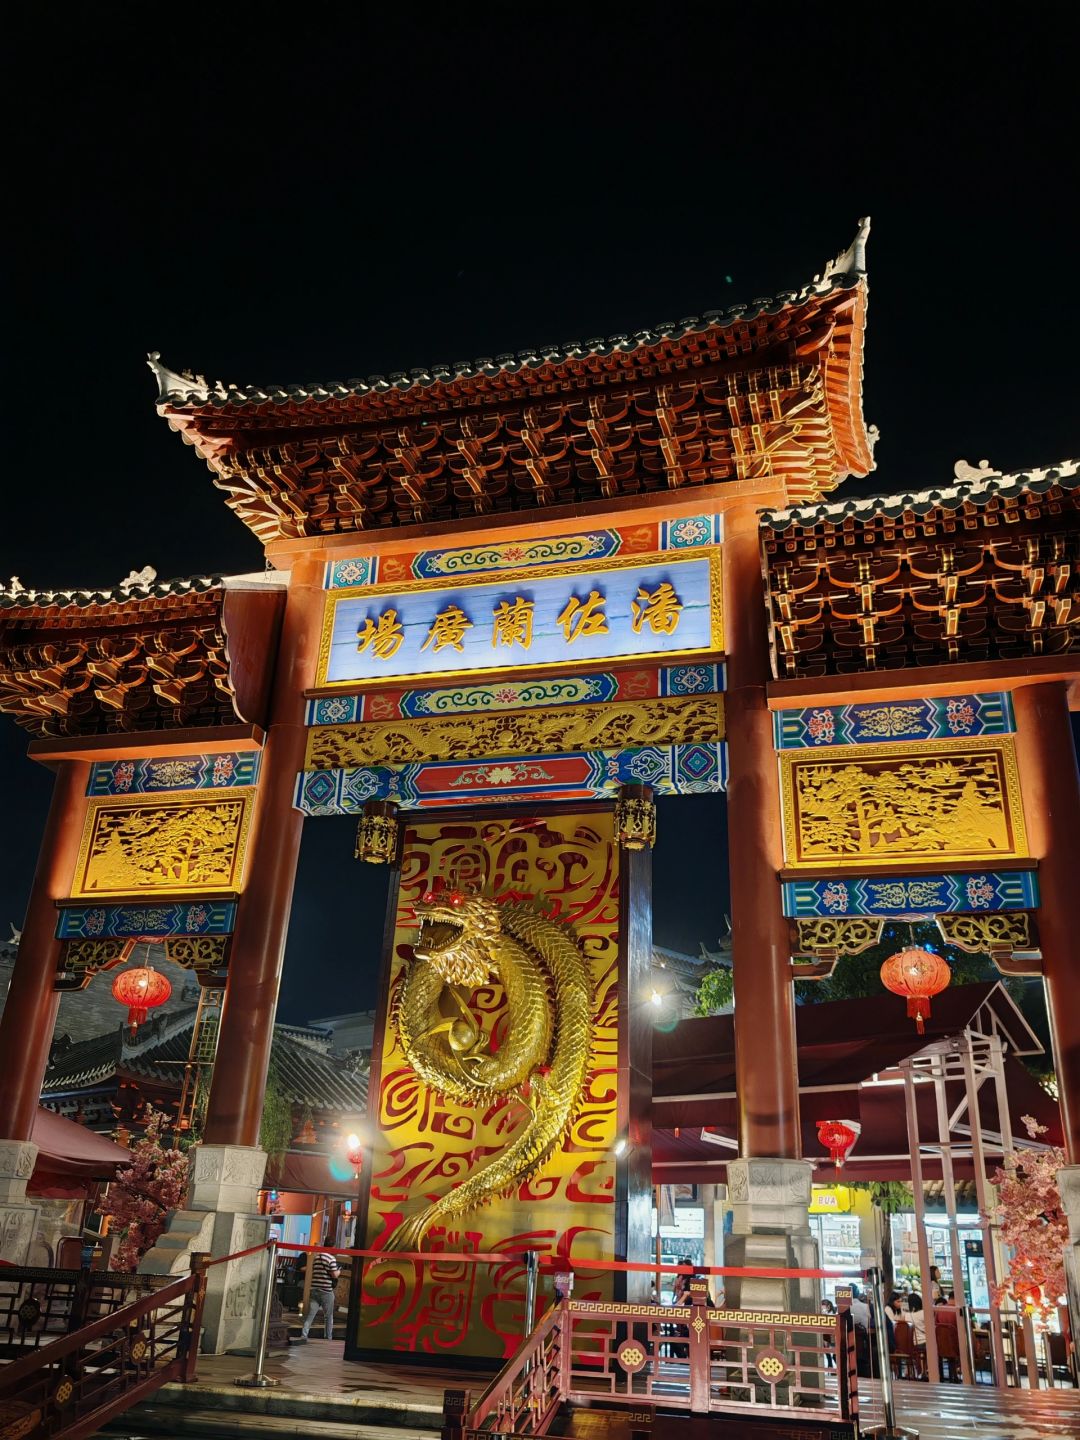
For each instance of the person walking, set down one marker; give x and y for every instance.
(324, 1274)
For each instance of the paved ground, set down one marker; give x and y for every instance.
(320, 1395)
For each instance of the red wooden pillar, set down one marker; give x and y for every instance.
(766, 1066)
(234, 1110)
(1051, 790)
(26, 1027)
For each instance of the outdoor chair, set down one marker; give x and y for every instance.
(905, 1359)
(948, 1349)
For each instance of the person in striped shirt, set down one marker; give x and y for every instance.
(324, 1273)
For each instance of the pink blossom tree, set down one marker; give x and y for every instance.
(140, 1198)
(1033, 1222)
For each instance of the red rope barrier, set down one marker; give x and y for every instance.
(238, 1254)
(554, 1265)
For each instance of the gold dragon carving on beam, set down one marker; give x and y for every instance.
(549, 731)
(464, 941)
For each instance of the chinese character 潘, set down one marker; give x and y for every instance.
(512, 623)
(583, 617)
(659, 609)
(448, 628)
(384, 635)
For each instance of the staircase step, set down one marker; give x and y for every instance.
(155, 1419)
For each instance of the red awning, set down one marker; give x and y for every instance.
(313, 1174)
(71, 1159)
(842, 1046)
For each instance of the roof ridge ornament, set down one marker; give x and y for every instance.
(972, 474)
(170, 383)
(850, 263)
(142, 579)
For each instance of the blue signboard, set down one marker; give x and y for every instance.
(660, 606)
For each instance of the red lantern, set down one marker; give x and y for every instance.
(355, 1152)
(140, 989)
(918, 974)
(838, 1136)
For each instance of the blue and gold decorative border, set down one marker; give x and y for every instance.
(599, 688)
(594, 775)
(492, 557)
(898, 895)
(946, 717)
(187, 917)
(180, 772)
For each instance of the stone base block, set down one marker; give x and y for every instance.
(220, 1219)
(226, 1177)
(770, 1203)
(1068, 1180)
(18, 1217)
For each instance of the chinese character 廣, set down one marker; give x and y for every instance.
(659, 609)
(384, 636)
(512, 623)
(583, 617)
(448, 628)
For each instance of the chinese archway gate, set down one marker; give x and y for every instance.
(506, 605)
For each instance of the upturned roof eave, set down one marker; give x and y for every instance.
(976, 493)
(185, 396)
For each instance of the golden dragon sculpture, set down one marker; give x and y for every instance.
(464, 941)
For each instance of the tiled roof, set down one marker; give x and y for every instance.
(126, 596)
(188, 390)
(86, 1063)
(306, 1076)
(977, 488)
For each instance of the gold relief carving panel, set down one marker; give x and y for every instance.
(670, 721)
(427, 1143)
(927, 801)
(850, 935)
(169, 846)
(979, 934)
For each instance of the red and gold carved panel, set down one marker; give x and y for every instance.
(426, 1143)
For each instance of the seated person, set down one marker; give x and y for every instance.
(917, 1319)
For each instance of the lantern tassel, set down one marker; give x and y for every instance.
(918, 1009)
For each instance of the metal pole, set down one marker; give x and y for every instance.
(259, 1381)
(532, 1269)
(972, 1086)
(948, 1177)
(877, 1300)
(911, 1107)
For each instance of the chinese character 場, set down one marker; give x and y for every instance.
(448, 628)
(513, 624)
(659, 609)
(384, 636)
(583, 617)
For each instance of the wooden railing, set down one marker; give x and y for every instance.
(37, 1305)
(72, 1386)
(798, 1369)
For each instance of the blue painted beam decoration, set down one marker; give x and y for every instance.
(941, 718)
(179, 772)
(188, 917)
(659, 607)
(687, 532)
(483, 697)
(898, 895)
(594, 775)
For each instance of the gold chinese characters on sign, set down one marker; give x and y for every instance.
(927, 801)
(639, 607)
(190, 841)
(674, 720)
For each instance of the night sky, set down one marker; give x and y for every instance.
(280, 199)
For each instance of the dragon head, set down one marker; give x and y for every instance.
(456, 933)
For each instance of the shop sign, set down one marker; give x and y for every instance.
(830, 1200)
